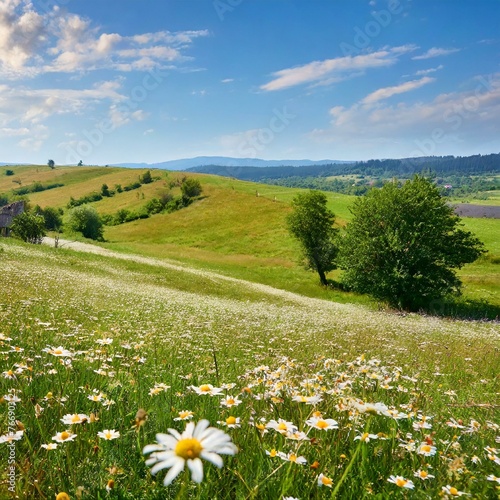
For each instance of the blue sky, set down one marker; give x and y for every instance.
(108, 81)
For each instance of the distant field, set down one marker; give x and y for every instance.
(237, 228)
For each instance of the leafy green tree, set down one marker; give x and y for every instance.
(86, 220)
(105, 191)
(29, 227)
(191, 188)
(51, 164)
(403, 244)
(311, 222)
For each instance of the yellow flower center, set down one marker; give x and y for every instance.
(292, 457)
(426, 448)
(282, 426)
(188, 448)
(326, 481)
(57, 351)
(205, 388)
(184, 414)
(317, 414)
(230, 401)
(62, 496)
(65, 435)
(401, 482)
(364, 436)
(423, 474)
(75, 419)
(108, 435)
(230, 420)
(322, 424)
(273, 453)
(453, 491)
(10, 373)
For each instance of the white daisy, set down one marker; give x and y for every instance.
(175, 450)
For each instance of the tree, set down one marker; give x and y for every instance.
(191, 188)
(51, 164)
(52, 217)
(86, 220)
(29, 227)
(403, 244)
(146, 178)
(105, 191)
(311, 222)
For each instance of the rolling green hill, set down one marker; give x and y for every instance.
(236, 228)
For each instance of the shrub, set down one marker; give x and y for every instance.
(86, 220)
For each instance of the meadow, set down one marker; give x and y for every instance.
(100, 353)
(205, 315)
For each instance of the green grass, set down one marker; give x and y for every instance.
(184, 327)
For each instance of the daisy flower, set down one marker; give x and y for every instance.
(282, 426)
(426, 450)
(58, 351)
(62, 437)
(11, 436)
(366, 437)
(323, 424)
(185, 415)
(205, 389)
(9, 374)
(325, 481)
(230, 401)
(450, 490)
(491, 477)
(231, 422)
(292, 457)
(76, 418)
(422, 474)
(401, 482)
(108, 435)
(50, 446)
(174, 451)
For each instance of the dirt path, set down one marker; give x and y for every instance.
(89, 248)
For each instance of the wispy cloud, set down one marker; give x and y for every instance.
(319, 71)
(428, 71)
(473, 113)
(435, 52)
(386, 92)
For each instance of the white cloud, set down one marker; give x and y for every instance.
(386, 92)
(319, 71)
(13, 132)
(452, 118)
(71, 43)
(428, 71)
(149, 131)
(435, 52)
(227, 80)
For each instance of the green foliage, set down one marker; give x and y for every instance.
(105, 191)
(89, 198)
(36, 187)
(51, 164)
(146, 178)
(191, 188)
(29, 227)
(311, 222)
(52, 217)
(403, 244)
(9, 172)
(86, 220)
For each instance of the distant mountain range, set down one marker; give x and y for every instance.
(225, 161)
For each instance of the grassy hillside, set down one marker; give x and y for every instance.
(98, 337)
(237, 228)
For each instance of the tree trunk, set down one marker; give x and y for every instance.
(322, 277)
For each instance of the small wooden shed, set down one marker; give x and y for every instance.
(7, 213)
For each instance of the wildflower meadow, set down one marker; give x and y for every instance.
(130, 379)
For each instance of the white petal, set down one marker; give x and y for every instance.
(212, 457)
(174, 472)
(201, 426)
(151, 447)
(164, 464)
(196, 468)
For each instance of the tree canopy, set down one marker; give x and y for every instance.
(29, 227)
(311, 222)
(403, 245)
(86, 220)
